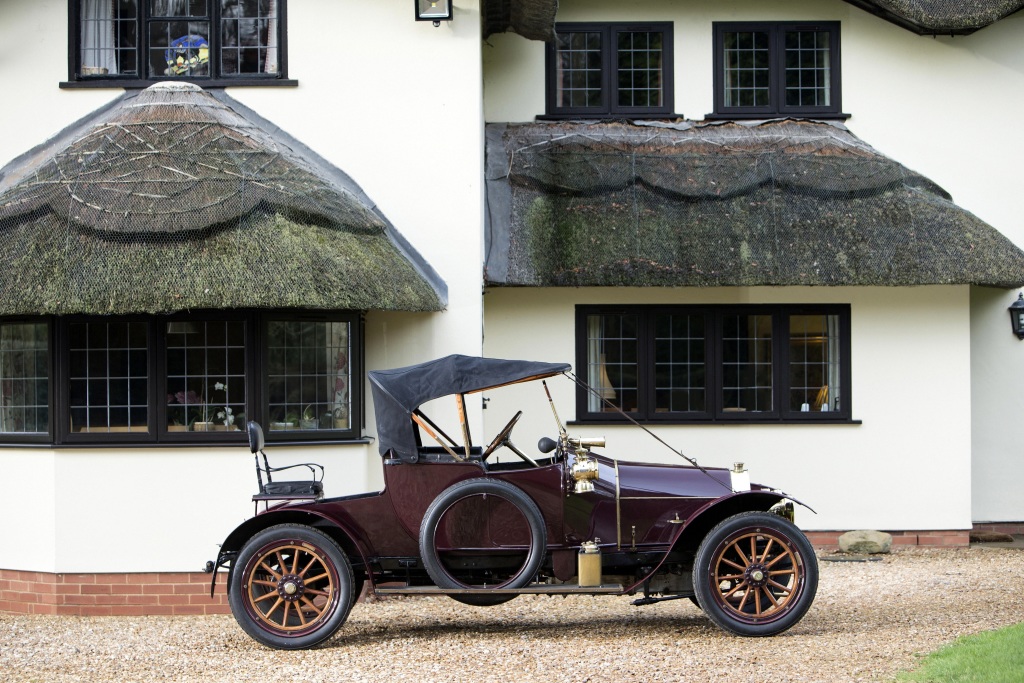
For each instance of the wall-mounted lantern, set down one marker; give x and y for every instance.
(1017, 316)
(434, 10)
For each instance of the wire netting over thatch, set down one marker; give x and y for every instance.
(941, 16)
(777, 203)
(172, 200)
(532, 19)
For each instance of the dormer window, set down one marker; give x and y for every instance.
(602, 70)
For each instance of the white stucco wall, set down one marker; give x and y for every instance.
(906, 466)
(402, 117)
(946, 107)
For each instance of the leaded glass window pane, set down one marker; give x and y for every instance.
(24, 378)
(248, 37)
(679, 363)
(579, 69)
(612, 362)
(206, 381)
(814, 377)
(747, 363)
(808, 69)
(639, 68)
(108, 377)
(747, 69)
(309, 376)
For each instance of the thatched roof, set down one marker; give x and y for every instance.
(532, 19)
(775, 203)
(174, 199)
(947, 17)
(535, 19)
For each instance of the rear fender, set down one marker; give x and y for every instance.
(688, 538)
(343, 534)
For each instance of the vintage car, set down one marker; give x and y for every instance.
(451, 521)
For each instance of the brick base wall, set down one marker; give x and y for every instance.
(110, 594)
(189, 593)
(1013, 528)
(829, 540)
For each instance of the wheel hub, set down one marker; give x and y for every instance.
(290, 587)
(756, 575)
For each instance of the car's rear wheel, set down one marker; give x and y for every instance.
(755, 574)
(482, 533)
(291, 587)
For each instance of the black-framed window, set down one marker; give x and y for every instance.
(777, 69)
(762, 363)
(610, 70)
(175, 379)
(210, 42)
(24, 379)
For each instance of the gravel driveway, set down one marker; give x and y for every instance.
(870, 620)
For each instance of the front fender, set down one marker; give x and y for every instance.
(702, 521)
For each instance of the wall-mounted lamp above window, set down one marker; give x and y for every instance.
(1017, 316)
(434, 10)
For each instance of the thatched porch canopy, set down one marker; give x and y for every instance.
(174, 199)
(940, 17)
(701, 205)
(532, 19)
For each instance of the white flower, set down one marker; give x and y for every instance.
(220, 386)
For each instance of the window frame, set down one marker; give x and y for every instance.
(139, 80)
(609, 109)
(777, 71)
(36, 438)
(256, 379)
(714, 412)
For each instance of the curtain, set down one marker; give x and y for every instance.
(271, 66)
(98, 45)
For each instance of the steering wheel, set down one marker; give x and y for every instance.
(502, 440)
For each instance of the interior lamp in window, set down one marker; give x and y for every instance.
(1017, 316)
(434, 10)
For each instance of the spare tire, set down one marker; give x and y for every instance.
(516, 545)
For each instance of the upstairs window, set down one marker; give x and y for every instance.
(769, 69)
(210, 41)
(714, 364)
(610, 70)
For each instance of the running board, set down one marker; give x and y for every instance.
(539, 589)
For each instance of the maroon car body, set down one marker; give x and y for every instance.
(451, 522)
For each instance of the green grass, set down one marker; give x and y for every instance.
(991, 657)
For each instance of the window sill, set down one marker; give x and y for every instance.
(770, 116)
(139, 84)
(609, 117)
(721, 423)
(234, 443)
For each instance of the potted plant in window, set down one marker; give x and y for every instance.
(309, 420)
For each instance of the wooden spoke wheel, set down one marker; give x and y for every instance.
(291, 587)
(755, 574)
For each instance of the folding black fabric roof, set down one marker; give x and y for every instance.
(399, 392)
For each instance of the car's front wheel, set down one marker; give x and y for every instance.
(755, 574)
(291, 587)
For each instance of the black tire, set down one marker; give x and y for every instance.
(755, 574)
(291, 587)
(482, 600)
(521, 566)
